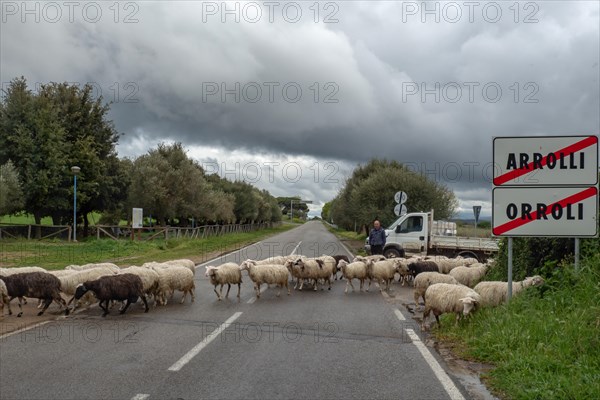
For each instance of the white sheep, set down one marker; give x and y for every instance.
(84, 267)
(494, 293)
(228, 273)
(315, 269)
(354, 270)
(426, 279)
(469, 276)
(269, 261)
(274, 274)
(384, 271)
(172, 279)
(376, 257)
(189, 264)
(441, 298)
(150, 279)
(4, 299)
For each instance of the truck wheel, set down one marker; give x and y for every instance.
(468, 254)
(391, 253)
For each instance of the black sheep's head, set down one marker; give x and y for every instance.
(80, 290)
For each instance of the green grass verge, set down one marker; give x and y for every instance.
(27, 219)
(58, 254)
(545, 344)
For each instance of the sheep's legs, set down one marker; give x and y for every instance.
(47, 303)
(239, 288)
(316, 283)
(105, 309)
(228, 289)
(20, 307)
(349, 282)
(288, 288)
(146, 302)
(257, 289)
(217, 293)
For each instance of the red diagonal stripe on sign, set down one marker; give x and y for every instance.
(573, 199)
(515, 173)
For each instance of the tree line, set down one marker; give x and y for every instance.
(44, 134)
(369, 194)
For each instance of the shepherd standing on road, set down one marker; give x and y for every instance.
(377, 238)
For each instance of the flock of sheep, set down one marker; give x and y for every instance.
(103, 282)
(447, 285)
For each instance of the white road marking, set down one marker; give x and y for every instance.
(23, 329)
(399, 315)
(140, 396)
(439, 372)
(346, 248)
(295, 248)
(194, 351)
(253, 299)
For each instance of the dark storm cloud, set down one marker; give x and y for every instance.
(379, 82)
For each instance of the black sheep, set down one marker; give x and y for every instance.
(39, 285)
(417, 267)
(114, 287)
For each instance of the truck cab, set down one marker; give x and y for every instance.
(408, 234)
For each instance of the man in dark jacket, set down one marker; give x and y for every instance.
(377, 238)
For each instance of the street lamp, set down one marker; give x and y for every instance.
(75, 170)
(297, 202)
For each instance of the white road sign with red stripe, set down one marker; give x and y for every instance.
(557, 211)
(546, 161)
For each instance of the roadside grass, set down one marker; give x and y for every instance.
(470, 231)
(545, 344)
(56, 254)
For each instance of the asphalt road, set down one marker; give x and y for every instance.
(309, 345)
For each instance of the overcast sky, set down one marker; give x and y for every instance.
(290, 96)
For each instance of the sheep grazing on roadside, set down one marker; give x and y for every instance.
(119, 287)
(426, 279)
(172, 279)
(39, 285)
(225, 274)
(273, 274)
(355, 270)
(442, 298)
(494, 293)
(4, 299)
(384, 272)
(469, 276)
(418, 267)
(337, 259)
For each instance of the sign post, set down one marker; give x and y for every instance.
(137, 221)
(545, 186)
(476, 211)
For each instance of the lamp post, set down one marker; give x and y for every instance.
(75, 170)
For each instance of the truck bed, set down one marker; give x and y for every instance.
(464, 243)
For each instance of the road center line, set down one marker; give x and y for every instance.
(295, 248)
(399, 315)
(140, 396)
(439, 372)
(196, 349)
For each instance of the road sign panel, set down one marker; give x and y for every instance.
(400, 209)
(400, 197)
(545, 161)
(549, 211)
(137, 218)
(476, 211)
